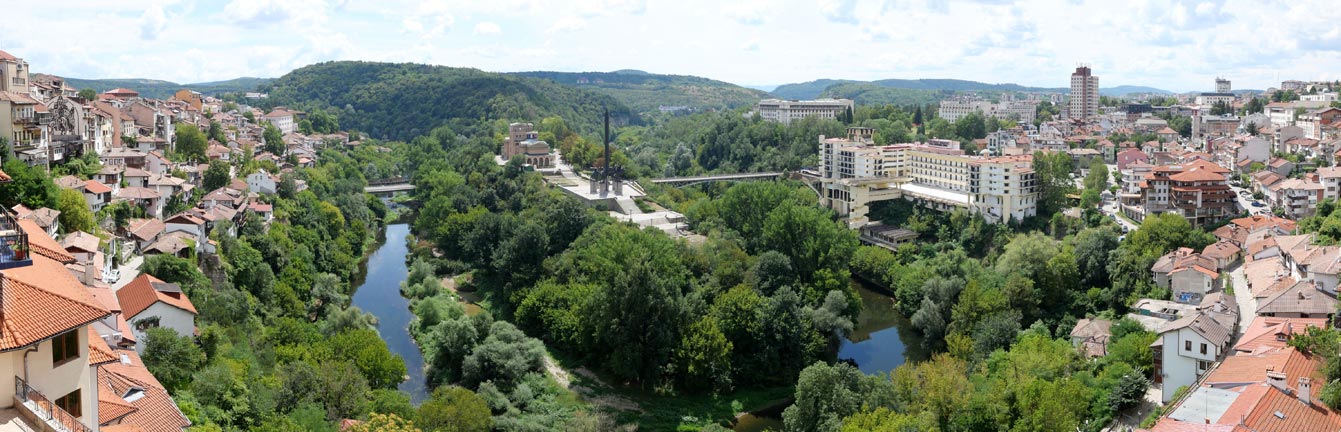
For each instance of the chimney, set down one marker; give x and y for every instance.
(1305, 390)
(1277, 380)
(90, 275)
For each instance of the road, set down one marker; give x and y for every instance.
(1245, 199)
(129, 271)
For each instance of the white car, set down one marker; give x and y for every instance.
(111, 276)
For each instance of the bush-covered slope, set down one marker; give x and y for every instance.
(403, 100)
(644, 91)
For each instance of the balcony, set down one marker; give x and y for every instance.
(14, 251)
(35, 407)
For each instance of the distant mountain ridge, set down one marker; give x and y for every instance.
(160, 89)
(645, 92)
(844, 88)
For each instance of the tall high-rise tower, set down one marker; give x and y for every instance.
(1221, 85)
(1084, 103)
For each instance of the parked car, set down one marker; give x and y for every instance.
(112, 276)
(1258, 204)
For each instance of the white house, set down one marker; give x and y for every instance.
(148, 302)
(261, 182)
(1187, 348)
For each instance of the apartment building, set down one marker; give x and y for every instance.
(855, 172)
(1021, 111)
(1198, 191)
(1084, 103)
(1315, 122)
(786, 111)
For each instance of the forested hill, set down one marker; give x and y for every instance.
(159, 89)
(818, 88)
(646, 92)
(920, 91)
(402, 100)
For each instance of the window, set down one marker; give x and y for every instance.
(1187, 345)
(71, 403)
(1203, 365)
(1203, 348)
(64, 347)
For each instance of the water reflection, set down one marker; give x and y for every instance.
(380, 295)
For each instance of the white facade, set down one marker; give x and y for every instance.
(855, 172)
(52, 380)
(171, 317)
(1021, 111)
(785, 111)
(1186, 356)
(261, 182)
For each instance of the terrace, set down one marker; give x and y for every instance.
(14, 251)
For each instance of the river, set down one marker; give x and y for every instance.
(881, 340)
(380, 295)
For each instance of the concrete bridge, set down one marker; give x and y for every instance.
(687, 181)
(389, 187)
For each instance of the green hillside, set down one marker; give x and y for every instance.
(872, 94)
(159, 89)
(805, 90)
(404, 100)
(644, 92)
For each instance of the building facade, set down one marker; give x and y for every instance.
(786, 111)
(855, 172)
(1084, 104)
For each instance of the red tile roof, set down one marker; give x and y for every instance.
(43, 300)
(98, 351)
(42, 244)
(155, 411)
(145, 290)
(1268, 332)
(95, 187)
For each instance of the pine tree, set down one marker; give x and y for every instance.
(917, 119)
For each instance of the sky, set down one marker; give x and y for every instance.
(1176, 45)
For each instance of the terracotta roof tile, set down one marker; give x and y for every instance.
(155, 411)
(43, 300)
(43, 244)
(94, 187)
(98, 351)
(1267, 332)
(146, 290)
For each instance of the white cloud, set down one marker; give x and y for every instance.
(487, 28)
(430, 19)
(843, 11)
(1174, 44)
(750, 12)
(153, 22)
(568, 23)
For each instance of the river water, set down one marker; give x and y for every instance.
(881, 340)
(380, 295)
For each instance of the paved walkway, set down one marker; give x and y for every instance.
(1244, 297)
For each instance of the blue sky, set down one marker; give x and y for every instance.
(1178, 45)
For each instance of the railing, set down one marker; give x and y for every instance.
(45, 409)
(14, 251)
